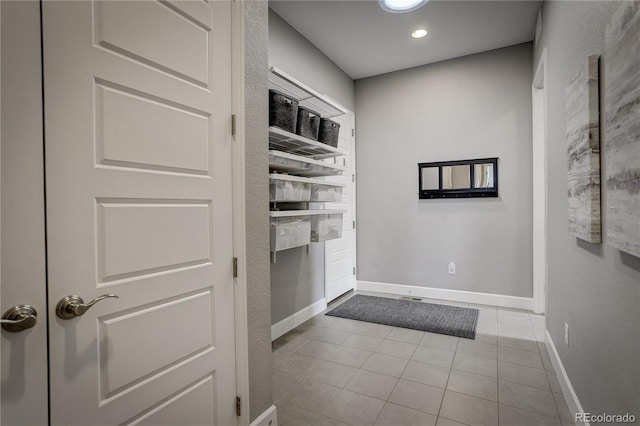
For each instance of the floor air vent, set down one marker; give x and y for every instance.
(417, 299)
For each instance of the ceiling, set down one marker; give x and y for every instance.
(364, 40)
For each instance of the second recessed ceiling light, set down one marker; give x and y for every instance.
(419, 33)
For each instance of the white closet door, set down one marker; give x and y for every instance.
(138, 172)
(340, 254)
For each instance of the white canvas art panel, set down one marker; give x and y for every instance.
(583, 152)
(622, 128)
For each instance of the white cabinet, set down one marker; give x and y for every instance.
(296, 163)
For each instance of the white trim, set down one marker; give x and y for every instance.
(239, 216)
(268, 418)
(296, 213)
(540, 187)
(292, 321)
(541, 70)
(446, 294)
(565, 384)
(0, 198)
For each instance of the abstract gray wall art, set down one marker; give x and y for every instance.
(622, 128)
(583, 152)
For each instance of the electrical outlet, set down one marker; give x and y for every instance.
(566, 334)
(452, 268)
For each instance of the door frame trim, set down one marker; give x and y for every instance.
(540, 258)
(0, 197)
(239, 208)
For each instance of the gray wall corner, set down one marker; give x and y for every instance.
(257, 207)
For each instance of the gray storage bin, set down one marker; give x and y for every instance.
(283, 111)
(329, 132)
(308, 123)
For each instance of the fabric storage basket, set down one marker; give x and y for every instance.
(308, 123)
(329, 131)
(290, 232)
(326, 191)
(284, 188)
(326, 226)
(283, 111)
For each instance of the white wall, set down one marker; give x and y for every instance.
(592, 287)
(297, 278)
(472, 107)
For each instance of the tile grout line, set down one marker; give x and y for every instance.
(498, 386)
(448, 377)
(532, 412)
(396, 385)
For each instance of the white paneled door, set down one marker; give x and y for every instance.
(137, 98)
(340, 254)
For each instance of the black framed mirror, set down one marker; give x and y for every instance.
(458, 179)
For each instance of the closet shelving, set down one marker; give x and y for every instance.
(295, 163)
(282, 140)
(302, 166)
(306, 96)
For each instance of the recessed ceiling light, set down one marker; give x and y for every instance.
(419, 33)
(400, 6)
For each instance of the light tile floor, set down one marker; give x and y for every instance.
(334, 371)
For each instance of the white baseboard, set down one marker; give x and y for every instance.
(445, 294)
(268, 418)
(565, 384)
(292, 321)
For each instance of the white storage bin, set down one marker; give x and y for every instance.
(331, 192)
(319, 168)
(302, 166)
(287, 162)
(326, 226)
(290, 232)
(284, 188)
